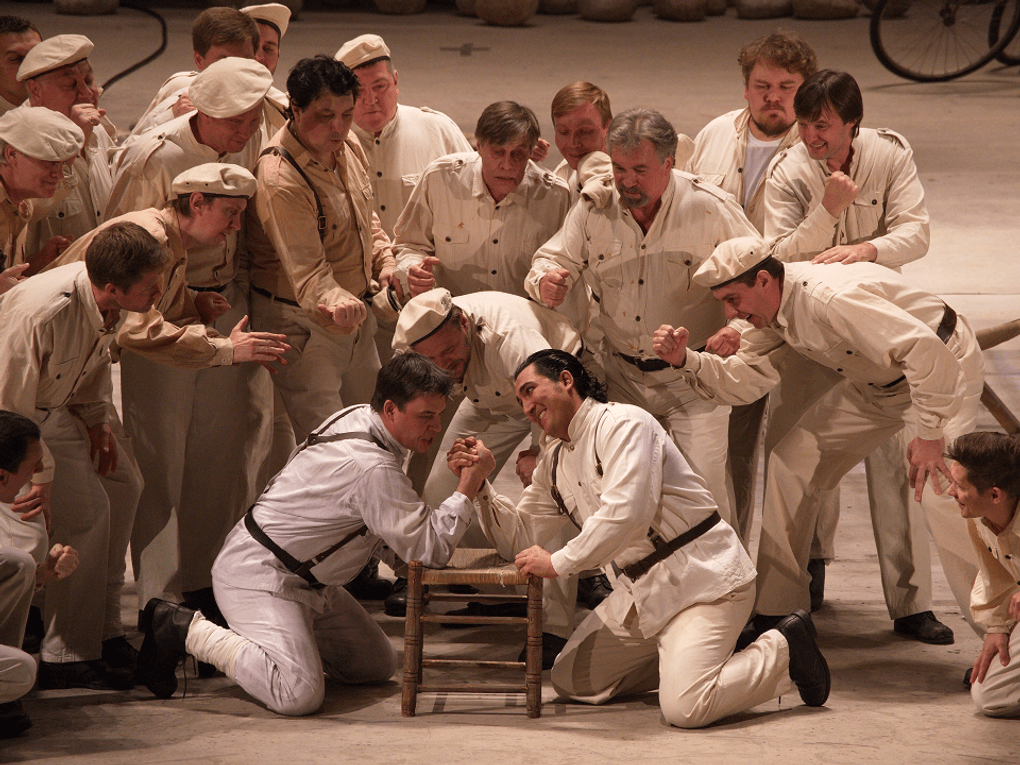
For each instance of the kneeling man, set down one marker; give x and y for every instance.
(684, 584)
(279, 578)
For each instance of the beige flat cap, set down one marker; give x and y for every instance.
(731, 259)
(54, 53)
(229, 87)
(363, 50)
(41, 133)
(421, 317)
(215, 178)
(276, 14)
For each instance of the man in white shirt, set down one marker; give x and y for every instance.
(684, 584)
(339, 499)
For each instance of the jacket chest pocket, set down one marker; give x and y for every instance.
(453, 237)
(868, 211)
(607, 265)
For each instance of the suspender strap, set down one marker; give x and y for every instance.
(554, 490)
(664, 549)
(320, 218)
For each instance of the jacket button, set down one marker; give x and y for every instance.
(448, 239)
(495, 241)
(378, 175)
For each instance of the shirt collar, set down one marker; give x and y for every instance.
(83, 287)
(585, 414)
(782, 319)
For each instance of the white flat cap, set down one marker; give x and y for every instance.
(366, 49)
(215, 178)
(421, 317)
(229, 87)
(731, 259)
(41, 133)
(54, 53)
(276, 14)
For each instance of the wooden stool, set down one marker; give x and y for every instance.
(471, 567)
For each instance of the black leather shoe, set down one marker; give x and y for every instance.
(808, 668)
(96, 675)
(120, 654)
(924, 627)
(163, 648)
(368, 585)
(754, 628)
(816, 568)
(551, 647)
(395, 603)
(593, 590)
(13, 720)
(966, 677)
(35, 631)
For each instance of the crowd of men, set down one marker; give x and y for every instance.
(335, 320)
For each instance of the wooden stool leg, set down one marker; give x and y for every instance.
(533, 657)
(412, 640)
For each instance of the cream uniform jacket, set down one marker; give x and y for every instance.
(505, 330)
(160, 109)
(862, 320)
(327, 491)
(289, 260)
(644, 280)
(719, 153)
(83, 207)
(889, 211)
(145, 174)
(171, 332)
(998, 578)
(13, 228)
(56, 350)
(402, 150)
(483, 244)
(644, 483)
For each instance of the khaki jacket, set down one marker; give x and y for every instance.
(13, 228)
(998, 576)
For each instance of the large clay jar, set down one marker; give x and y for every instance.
(824, 9)
(506, 13)
(763, 9)
(557, 6)
(607, 10)
(402, 7)
(715, 8)
(85, 7)
(466, 7)
(680, 10)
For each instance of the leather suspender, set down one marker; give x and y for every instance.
(292, 564)
(320, 216)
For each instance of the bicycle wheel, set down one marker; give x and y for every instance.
(1010, 55)
(937, 40)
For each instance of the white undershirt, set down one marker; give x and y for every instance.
(756, 159)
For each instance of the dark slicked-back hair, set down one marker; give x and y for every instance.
(223, 26)
(122, 254)
(781, 49)
(15, 25)
(507, 122)
(17, 433)
(552, 362)
(990, 459)
(405, 377)
(312, 77)
(828, 88)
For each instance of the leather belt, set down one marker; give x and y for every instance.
(664, 549)
(944, 331)
(271, 296)
(219, 288)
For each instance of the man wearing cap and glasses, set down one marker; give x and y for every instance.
(55, 333)
(637, 254)
(198, 491)
(35, 143)
(58, 76)
(684, 584)
(909, 362)
(400, 141)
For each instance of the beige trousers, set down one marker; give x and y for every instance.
(999, 694)
(840, 429)
(691, 662)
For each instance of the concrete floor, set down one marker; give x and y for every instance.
(893, 700)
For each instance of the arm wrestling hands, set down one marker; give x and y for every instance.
(472, 463)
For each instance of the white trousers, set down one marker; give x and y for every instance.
(291, 645)
(691, 662)
(17, 673)
(841, 428)
(202, 437)
(17, 583)
(324, 372)
(999, 694)
(699, 428)
(93, 514)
